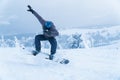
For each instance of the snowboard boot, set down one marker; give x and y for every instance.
(35, 52)
(51, 57)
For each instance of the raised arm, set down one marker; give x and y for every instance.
(40, 19)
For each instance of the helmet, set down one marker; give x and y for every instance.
(48, 24)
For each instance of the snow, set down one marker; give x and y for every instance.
(100, 63)
(96, 63)
(93, 37)
(71, 31)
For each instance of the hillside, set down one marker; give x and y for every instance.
(69, 39)
(98, 59)
(85, 64)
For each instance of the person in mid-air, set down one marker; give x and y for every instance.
(49, 33)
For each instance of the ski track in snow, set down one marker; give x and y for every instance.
(85, 64)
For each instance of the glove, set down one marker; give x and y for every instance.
(30, 9)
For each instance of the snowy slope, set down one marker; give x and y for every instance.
(70, 38)
(85, 64)
(97, 63)
(70, 31)
(96, 37)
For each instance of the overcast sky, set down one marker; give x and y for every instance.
(64, 13)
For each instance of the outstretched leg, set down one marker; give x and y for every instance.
(38, 38)
(53, 43)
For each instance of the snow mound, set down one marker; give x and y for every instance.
(85, 64)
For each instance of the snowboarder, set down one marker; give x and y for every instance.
(49, 33)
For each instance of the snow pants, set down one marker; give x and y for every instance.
(52, 41)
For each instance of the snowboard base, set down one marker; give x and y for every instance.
(61, 61)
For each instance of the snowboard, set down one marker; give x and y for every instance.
(61, 61)
(56, 59)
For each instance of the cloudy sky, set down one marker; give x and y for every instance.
(64, 13)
